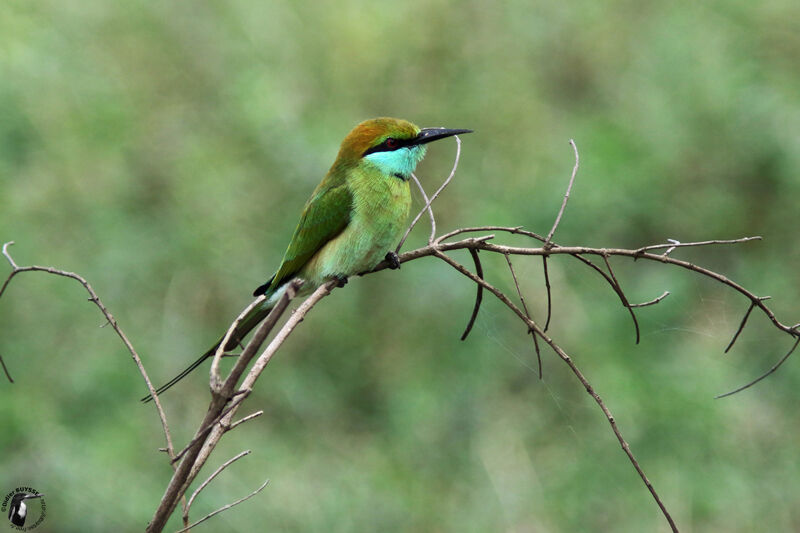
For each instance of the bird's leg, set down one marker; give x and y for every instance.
(393, 260)
(341, 281)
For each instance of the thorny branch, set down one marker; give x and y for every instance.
(228, 394)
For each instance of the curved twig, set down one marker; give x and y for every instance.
(774, 367)
(622, 297)
(428, 202)
(478, 295)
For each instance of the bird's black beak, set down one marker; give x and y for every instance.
(32, 496)
(427, 135)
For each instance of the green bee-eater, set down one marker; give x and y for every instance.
(354, 218)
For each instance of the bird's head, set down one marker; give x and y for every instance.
(393, 145)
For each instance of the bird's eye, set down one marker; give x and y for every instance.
(391, 143)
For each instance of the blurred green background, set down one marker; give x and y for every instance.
(165, 149)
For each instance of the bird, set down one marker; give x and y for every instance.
(18, 511)
(352, 221)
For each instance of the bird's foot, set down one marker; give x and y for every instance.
(341, 281)
(393, 260)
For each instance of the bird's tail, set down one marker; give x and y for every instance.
(250, 321)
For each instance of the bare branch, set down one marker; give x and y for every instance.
(480, 243)
(218, 418)
(228, 394)
(566, 195)
(224, 508)
(261, 335)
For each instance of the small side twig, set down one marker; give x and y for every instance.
(527, 313)
(622, 296)
(548, 240)
(245, 419)
(547, 286)
(224, 508)
(427, 208)
(651, 302)
(208, 480)
(677, 244)
(765, 374)
(741, 327)
(428, 202)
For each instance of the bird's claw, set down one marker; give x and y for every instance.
(393, 260)
(341, 281)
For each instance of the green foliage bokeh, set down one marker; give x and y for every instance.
(163, 150)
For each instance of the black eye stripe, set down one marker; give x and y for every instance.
(384, 146)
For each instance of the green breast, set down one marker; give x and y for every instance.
(380, 212)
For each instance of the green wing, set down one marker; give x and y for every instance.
(325, 216)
